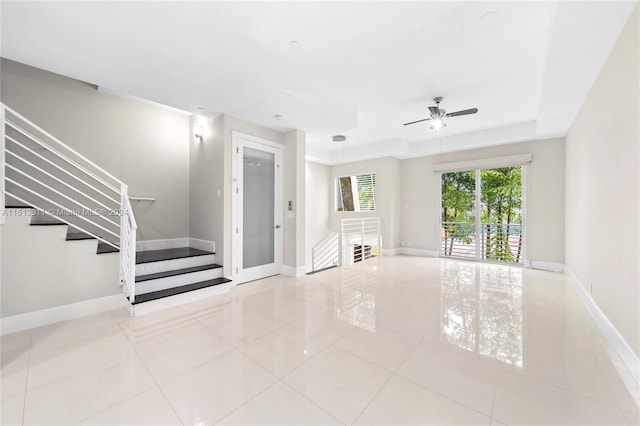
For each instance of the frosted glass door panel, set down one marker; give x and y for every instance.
(258, 215)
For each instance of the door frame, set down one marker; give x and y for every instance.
(238, 142)
(523, 161)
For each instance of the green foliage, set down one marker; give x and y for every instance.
(500, 210)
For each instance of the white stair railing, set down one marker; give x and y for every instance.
(360, 239)
(351, 241)
(40, 171)
(326, 253)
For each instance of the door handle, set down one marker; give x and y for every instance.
(277, 226)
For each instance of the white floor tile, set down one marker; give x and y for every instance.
(340, 383)
(401, 402)
(213, 390)
(78, 397)
(632, 417)
(576, 371)
(460, 375)
(288, 310)
(183, 352)
(524, 401)
(279, 405)
(325, 324)
(407, 323)
(149, 408)
(246, 328)
(383, 348)
(13, 373)
(156, 328)
(283, 350)
(75, 332)
(11, 410)
(57, 362)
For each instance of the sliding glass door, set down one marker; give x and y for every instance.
(481, 215)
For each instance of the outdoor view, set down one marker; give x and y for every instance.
(356, 193)
(500, 211)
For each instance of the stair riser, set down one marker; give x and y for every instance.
(177, 280)
(173, 264)
(180, 299)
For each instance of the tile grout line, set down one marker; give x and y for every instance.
(441, 394)
(568, 390)
(150, 375)
(495, 392)
(26, 380)
(310, 400)
(393, 373)
(136, 356)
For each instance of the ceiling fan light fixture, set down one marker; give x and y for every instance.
(438, 123)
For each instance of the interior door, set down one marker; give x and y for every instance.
(257, 204)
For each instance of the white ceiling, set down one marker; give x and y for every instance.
(362, 68)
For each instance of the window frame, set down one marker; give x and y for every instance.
(354, 177)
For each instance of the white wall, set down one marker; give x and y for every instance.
(544, 215)
(40, 270)
(143, 145)
(603, 188)
(318, 206)
(294, 191)
(206, 182)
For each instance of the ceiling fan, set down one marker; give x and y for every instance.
(438, 115)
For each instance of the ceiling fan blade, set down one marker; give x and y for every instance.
(463, 112)
(414, 122)
(434, 110)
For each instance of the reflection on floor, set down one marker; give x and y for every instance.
(402, 340)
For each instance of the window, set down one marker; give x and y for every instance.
(356, 193)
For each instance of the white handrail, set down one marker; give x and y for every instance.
(2, 161)
(22, 200)
(57, 179)
(128, 227)
(55, 191)
(61, 207)
(56, 140)
(26, 148)
(62, 156)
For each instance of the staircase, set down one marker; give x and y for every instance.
(50, 184)
(160, 275)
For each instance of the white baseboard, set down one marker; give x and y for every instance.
(202, 244)
(170, 243)
(545, 266)
(418, 252)
(56, 314)
(630, 360)
(391, 252)
(292, 271)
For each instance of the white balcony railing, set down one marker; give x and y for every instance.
(499, 242)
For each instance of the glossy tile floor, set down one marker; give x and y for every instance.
(404, 340)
